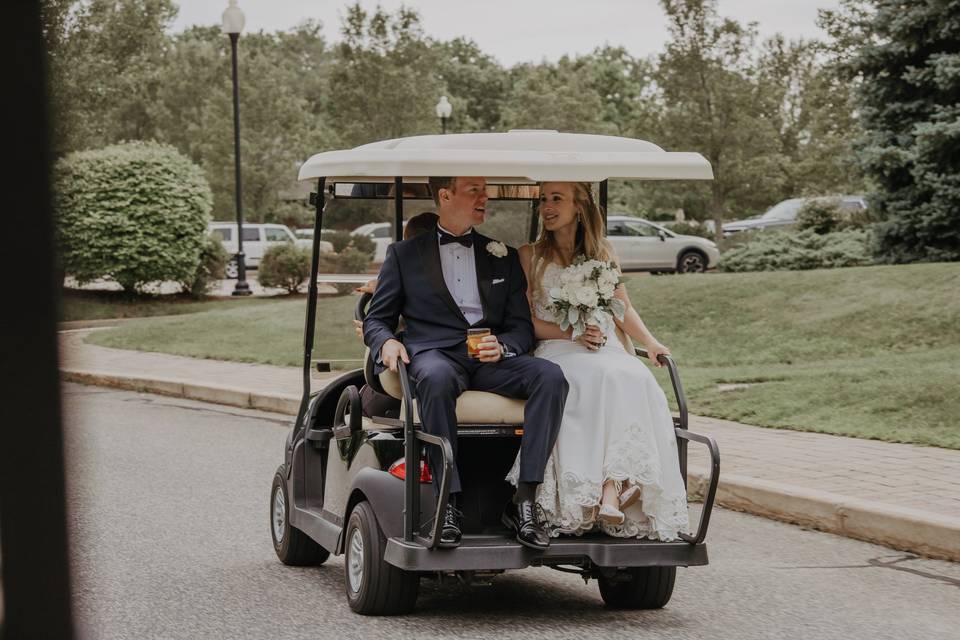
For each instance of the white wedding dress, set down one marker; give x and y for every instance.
(616, 425)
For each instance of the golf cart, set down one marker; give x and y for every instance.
(358, 485)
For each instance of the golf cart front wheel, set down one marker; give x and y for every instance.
(293, 547)
(638, 588)
(374, 587)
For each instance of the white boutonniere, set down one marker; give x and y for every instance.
(497, 249)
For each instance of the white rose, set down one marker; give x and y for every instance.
(497, 249)
(587, 296)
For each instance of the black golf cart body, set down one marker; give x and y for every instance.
(335, 492)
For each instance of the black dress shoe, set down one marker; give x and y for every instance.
(450, 530)
(524, 519)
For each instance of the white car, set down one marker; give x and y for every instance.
(379, 232)
(257, 238)
(644, 246)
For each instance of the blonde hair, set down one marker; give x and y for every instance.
(590, 241)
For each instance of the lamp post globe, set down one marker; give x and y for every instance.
(444, 109)
(232, 25)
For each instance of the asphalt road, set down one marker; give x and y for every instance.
(169, 512)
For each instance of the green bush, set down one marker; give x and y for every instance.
(787, 251)
(339, 239)
(212, 267)
(364, 244)
(826, 216)
(286, 266)
(350, 260)
(135, 213)
(342, 239)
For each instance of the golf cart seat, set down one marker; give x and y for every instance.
(473, 407)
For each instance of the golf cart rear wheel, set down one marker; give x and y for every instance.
(374, 587)
(293, 547)
(638, 588)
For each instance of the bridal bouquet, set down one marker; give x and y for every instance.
(584, 295)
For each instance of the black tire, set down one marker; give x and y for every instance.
(294, 548)
(638, 588)
(381, 589)
(692, 261)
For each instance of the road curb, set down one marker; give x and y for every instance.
(912, 530)
(203, 392)
(907, 529)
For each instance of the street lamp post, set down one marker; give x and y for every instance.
(444, 109)
(233, 21)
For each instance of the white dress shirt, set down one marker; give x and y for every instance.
(460, 275)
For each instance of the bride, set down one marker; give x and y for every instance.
(615, 465)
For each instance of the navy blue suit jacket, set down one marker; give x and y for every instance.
(411, 285)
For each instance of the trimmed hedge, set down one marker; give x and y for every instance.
(789, 251)
(135, 213)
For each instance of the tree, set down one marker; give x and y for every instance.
(910, 109)
(554, 96)
(385, 82)
(715, 103)
(104, 57)
(814, 115)
(475, 84)
(281, 121)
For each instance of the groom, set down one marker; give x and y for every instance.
(442, 283)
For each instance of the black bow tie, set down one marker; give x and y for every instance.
(446, 238)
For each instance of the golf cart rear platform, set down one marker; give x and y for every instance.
(501, 552)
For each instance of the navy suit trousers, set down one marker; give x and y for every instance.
(441, 375)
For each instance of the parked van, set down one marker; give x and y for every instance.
(257, 238)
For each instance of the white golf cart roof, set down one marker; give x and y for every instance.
(515, 157)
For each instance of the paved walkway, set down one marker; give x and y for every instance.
(902, 495)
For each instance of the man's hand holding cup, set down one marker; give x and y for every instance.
(489, 349)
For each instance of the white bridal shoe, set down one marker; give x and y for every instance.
(610, 515)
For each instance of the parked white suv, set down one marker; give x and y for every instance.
(642, 245)
(257, 238)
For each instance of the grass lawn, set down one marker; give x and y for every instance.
(870, 352)
(94, 305)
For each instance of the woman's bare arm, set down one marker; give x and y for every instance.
(633, 326)
(542, 329)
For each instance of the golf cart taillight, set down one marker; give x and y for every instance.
(399, 469)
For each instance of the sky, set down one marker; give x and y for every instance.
(514, 31)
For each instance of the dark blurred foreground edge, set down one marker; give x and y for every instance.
(35, 566)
